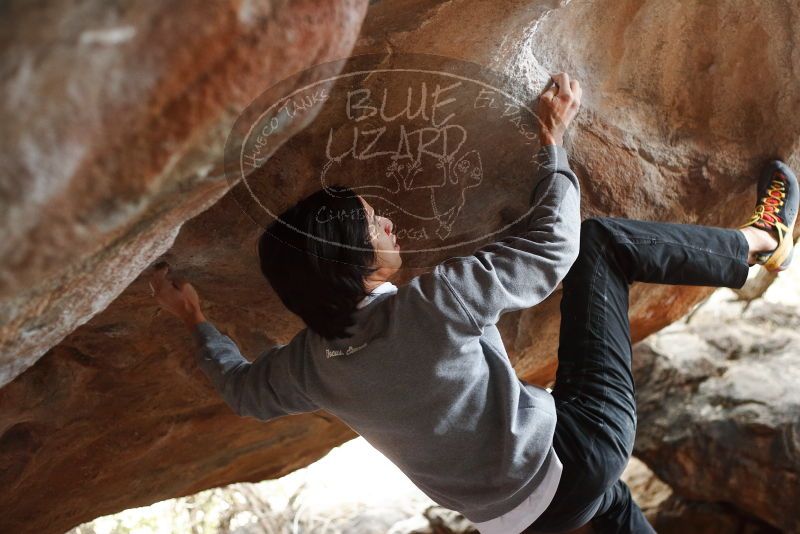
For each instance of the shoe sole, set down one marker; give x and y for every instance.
(781, 258)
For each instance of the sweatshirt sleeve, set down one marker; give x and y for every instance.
(263, 389)
(520, 271)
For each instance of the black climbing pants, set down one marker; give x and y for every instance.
(594, 390)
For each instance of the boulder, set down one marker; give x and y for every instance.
(115, 124)
(672, 126)
(719, 410)
(117, 414)
(678, 516)
(115, 119)
(669, 513)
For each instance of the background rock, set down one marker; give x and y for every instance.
(719, 410)
(678, 516)
(117, 414)
(668, 513)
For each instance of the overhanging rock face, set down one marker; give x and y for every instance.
(674, 124)
(114, 125)
(117, 414)
(115, 119)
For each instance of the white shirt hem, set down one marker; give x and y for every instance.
(525, 513)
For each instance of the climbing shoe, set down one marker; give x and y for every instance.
(776, 211)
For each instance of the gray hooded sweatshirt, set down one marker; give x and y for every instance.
(425, 378)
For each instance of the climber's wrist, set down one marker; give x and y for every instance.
(193, 318)
(547, 138)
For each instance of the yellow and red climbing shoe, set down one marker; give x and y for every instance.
(776, 211)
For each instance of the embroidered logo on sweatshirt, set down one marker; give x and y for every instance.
(349, 350)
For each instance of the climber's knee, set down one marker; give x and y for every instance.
(594, 234)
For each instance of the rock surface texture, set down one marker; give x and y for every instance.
(669, 513)
(113, 160)
(114, 124)
(672, 127)
(719, 410)
(115, 120)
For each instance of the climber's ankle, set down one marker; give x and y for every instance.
(759, 241)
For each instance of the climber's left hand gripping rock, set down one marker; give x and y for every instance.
(176, 295)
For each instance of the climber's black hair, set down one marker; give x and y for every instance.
(314, 275)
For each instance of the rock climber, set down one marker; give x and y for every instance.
(421, 372)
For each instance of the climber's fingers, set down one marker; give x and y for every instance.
(177, 281)
(562, 80)
(166, 283)
(550, 94)
(173, 293)
(577, 91)
(159, 280)
(557, 107)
